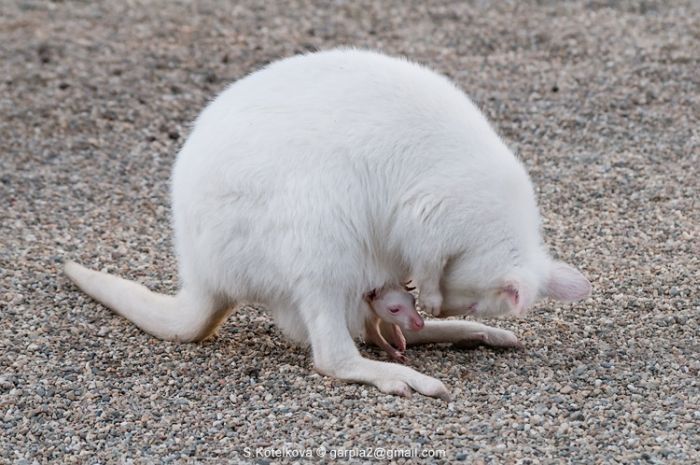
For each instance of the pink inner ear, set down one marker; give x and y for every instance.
(516, 297)
(512, 293)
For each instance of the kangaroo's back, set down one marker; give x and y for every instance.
(331, 143)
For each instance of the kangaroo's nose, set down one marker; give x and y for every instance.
(418, 323)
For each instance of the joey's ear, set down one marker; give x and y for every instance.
(370, 295)
(566, 283)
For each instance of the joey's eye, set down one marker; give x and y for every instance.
(394, 309)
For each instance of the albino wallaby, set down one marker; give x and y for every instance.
(323, 175)
(395, 306)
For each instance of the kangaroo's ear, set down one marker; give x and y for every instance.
(516, 297)
(566, 283)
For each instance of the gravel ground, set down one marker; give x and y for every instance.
(601, 99)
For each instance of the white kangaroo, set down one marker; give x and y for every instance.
(323, 175)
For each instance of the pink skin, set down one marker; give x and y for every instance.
(397, 307)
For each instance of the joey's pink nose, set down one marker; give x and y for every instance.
(418, 324)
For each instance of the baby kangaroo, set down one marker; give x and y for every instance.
(397, 307)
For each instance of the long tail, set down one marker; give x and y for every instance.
(175, 318)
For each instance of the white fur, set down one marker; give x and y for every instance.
(325, 175)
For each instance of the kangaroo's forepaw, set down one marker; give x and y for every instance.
(431, 303)
(397, 339)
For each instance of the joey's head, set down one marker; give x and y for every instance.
(492, 286)
(396, 306)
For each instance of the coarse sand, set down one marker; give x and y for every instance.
(600, 98)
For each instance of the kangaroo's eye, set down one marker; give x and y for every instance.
(394, 309)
